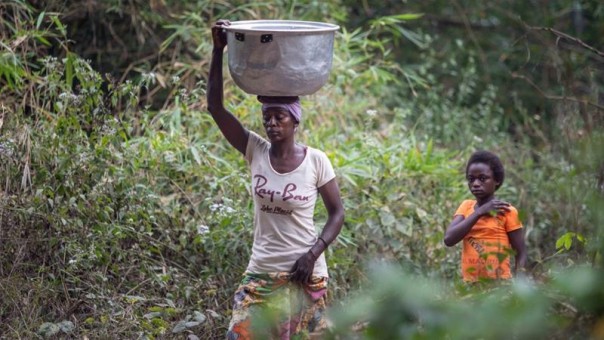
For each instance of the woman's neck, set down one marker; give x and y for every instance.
(283, 150)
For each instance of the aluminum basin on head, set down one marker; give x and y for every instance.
(280, 57)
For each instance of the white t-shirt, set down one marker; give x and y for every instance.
(284, 206)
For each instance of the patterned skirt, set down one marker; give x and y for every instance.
(269, 306)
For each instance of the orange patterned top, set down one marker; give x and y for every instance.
(486, 248)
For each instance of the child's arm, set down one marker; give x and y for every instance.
(461, 226)
(517, 241)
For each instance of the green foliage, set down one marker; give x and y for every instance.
(566, 241)
(397, 305)
(401, 306)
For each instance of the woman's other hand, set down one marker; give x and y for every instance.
(303, 268)
(219, 36)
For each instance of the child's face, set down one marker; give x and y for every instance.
(481, 182)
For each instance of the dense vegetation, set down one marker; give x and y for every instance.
(125, 214)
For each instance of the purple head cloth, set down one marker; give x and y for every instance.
(294, 108)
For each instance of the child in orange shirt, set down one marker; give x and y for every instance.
(487, 225)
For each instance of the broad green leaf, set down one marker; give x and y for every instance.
(421, 213)
(562, 240)
(408, 16)
(48, 329)
(568, 242)
(66, 326)
(195, 155)
(386, 218)
(199, 317)
(40, 18)
(405, 226)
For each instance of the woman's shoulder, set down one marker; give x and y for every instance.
(257, 140)
(255, 145)
(318, 158)
(256, 136)
(315, 153)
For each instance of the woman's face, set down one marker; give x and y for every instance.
(481, 182)
(278, 123)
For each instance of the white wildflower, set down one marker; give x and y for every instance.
(203, 229)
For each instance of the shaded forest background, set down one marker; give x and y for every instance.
(124, 213)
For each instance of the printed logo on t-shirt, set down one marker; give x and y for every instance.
(261, 189)
(275, 210)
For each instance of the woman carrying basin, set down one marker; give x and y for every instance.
(282, 292)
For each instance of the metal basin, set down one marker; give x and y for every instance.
(280, 57)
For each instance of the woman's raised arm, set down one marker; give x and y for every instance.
(228, 124)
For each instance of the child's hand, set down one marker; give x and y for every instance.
(493, 206)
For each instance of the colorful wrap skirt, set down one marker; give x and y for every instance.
(269, 306)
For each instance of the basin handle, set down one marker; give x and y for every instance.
(266, 38)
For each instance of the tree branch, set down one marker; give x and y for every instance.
(568, 37)
(548, 96)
